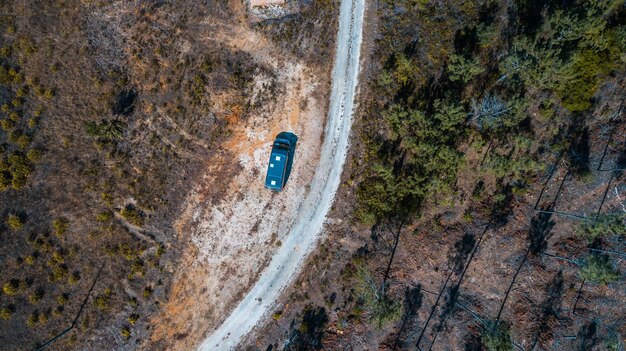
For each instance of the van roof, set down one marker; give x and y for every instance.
(276, 167)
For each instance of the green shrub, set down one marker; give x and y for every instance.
(58, 273)
(30, 260)
(73, 278)
(105, 216)
(7, 124)
(132, 215)
(579, 79)
(107, 198)
(35, 297)
(48, 94)
(43, 318)
(60, 225)
(137, 268)
(133, 318)
(57, 257)
(61, 299)
(20, 170)
(598, 269)
(33, 155)
(463, 69)
(147, 292)
(125, 332)
(608, 224)
(58, 311)
(160, 250)
(32, 320)
(496, 336)
(14, 116)
(5, 313)
(5, 180)
(21, 92)
(381, 308)
(14, 222)
(5, 51)
(102, 301)
(126, 251)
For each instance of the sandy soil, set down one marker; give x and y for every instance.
(234, 225)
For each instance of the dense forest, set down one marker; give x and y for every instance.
(522, 80)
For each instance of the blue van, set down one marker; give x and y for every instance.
(279, 158)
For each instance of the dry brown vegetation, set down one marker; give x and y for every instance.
(109, 111)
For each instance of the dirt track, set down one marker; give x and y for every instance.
(304, 233)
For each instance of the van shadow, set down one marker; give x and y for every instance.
(293, 140)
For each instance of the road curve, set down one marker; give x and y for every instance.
(286, 263)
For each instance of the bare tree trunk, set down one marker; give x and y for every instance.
(508, 291)
(393, 254)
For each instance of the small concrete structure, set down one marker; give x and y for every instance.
(256, 3)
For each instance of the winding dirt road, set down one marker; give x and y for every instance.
(304, 234)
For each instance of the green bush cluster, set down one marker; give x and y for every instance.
(11, 287)
(14, 171)
(37, 318)
(60, 226)
(125, 332)
(137, 268)
(463, 69)
(607, 224)
(598, 269)
(496, 336)
(102, 301)
(573, 51)
(104, 216)
(5, 313)
(14, 222)
(10, 76)
(429, 157)
(147, 292)
(59, 272)
(132, 215)
(32, 320)
(35, 297)
(382, 309)
(133, 318)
